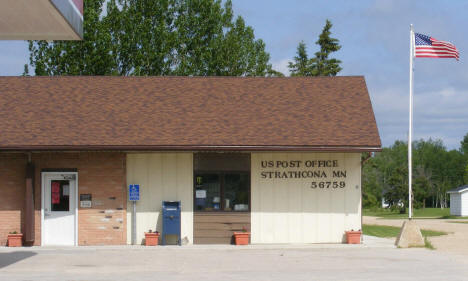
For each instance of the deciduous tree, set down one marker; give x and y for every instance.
(160, 37)
(435, 171)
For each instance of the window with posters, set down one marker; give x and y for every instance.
(222, 182)
(60, 195)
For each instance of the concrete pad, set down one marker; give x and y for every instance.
(213, 247)
(378, 242)
(410, 235)
(228, 264)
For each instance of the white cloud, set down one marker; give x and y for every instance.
(281, 66)
(438, 114)
(448, 92)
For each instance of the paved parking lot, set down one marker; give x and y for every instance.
(306, 262)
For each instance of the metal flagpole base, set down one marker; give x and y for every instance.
(410, 235)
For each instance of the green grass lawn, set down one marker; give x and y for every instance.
(393, 231)
(453, 217)
(418, 213)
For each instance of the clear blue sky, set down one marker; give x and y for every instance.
(375, 40)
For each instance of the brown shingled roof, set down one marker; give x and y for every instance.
(192, 113)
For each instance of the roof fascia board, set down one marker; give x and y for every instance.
(195, 148)
(458, 191)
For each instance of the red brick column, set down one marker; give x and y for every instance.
(12, 188)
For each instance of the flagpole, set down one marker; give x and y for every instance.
(410, 132)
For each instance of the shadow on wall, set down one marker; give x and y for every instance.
(156, 227)
(13, 257)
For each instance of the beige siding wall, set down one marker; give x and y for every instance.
(162, 177)
(291, 211)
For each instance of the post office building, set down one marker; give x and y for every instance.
(278, 157)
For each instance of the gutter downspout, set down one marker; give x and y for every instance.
(369, 156)
(29, 231)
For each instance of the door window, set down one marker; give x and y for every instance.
(60, 195)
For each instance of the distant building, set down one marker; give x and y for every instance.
(384, 203)
(459, 201)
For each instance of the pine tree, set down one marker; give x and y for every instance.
(302, 64)
(322, 64)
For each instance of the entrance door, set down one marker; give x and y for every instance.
(59, 208)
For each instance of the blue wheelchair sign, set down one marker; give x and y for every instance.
(134, 192)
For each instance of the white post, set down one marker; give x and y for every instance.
(410, 132)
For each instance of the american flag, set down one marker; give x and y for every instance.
(428, 47)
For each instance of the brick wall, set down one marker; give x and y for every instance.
(101, 174)
(12, 188)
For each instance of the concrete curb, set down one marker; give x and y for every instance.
(369, 242)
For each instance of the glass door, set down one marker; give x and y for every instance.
(59, 209)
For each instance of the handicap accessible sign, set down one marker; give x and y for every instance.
(134, 192)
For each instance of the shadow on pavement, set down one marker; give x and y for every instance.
(10, 258)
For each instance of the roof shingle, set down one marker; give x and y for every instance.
(186, 113)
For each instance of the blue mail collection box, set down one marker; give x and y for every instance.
(171, 220)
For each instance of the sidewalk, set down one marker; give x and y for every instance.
(368, 242)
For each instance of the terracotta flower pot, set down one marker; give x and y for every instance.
(15, 240)
(151, 239)
(353, 237)
(241, 238)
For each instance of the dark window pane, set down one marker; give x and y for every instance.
(207, 192)
(60, 195)
(236, 192)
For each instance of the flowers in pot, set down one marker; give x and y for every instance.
(151, 238)
(242, 238)
(15, 239)
(353, 237)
